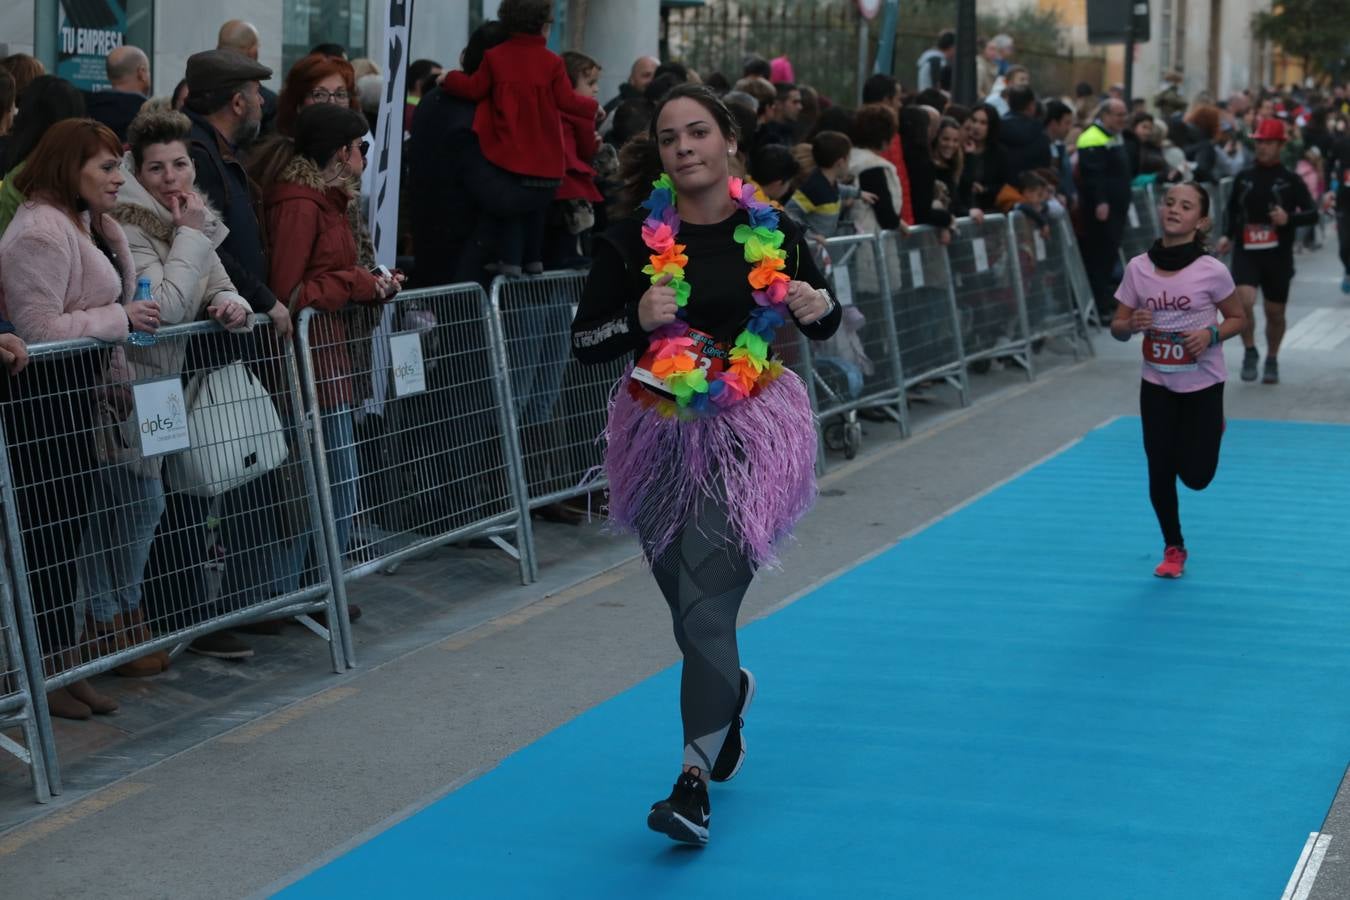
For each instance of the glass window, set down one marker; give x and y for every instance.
(309, 23)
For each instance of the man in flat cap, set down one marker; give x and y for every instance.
(225, 105)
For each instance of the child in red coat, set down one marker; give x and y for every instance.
(572, 214)
(522, 90)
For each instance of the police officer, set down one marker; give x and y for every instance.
(1270, 203)
(1104, 197)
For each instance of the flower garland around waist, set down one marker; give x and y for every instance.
(749, 367)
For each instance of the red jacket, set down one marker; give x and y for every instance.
(313, 249)
(580, 147)
(521, 89)
(894, 154)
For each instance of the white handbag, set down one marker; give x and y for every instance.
(236, 433)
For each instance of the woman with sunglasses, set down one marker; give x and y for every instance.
(315, 263)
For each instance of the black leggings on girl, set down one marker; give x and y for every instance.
(704, 577)
(1182, 433)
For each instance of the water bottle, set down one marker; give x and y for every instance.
(142, 338)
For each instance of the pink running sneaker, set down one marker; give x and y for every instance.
(1173, 564)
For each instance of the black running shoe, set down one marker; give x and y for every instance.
(684, 816)
(733, 748)
(1249, 361)
(1272, 373)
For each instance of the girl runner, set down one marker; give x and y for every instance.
(711, 443)
(1172, 295)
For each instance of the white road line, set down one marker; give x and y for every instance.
(1323, 329)
(1305, 870)
(1334, 337)
(1299, 329)
(1306, 328)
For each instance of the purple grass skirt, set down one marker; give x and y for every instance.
(756, 457)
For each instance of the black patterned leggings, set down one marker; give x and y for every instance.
(704, 577)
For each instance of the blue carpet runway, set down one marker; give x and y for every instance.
(1007, 705)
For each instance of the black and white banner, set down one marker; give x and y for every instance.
(387, 155)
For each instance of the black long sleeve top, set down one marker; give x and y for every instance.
(886, 208)
(988, 169)
(922, 188)
(606, 324)
(1256, 190)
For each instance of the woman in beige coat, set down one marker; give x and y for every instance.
(173, 237)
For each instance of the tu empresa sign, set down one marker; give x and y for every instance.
(90, 30)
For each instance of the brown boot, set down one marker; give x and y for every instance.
(138, 633)
(100, 638)
(84, 692)
(81, 691)
(62, 705)
(123, 633)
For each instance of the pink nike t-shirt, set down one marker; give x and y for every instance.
(1183, 301)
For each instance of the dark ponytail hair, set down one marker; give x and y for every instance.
(640, 158)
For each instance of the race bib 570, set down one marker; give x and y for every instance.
(1166, 351)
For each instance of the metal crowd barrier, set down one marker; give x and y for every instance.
(1220, 196)
(1078, 277)
(989, 298)
(928, 322)
(1141, 226)
(1051, 308)
(559, 406)
(861, 366)
(412, 428)
(147, 504)
(17, 706)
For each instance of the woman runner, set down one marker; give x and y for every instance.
(1172, 295)
(710, 442)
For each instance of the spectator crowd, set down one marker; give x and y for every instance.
(121, 214)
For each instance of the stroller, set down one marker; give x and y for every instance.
(841, 365)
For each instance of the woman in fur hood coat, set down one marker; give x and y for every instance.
(172, 235)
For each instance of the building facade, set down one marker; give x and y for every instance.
(615, 32)
(1208, 41)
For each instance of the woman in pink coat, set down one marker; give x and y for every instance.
(65, 272)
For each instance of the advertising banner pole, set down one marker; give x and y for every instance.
(387, 155)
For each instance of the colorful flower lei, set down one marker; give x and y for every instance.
(749, 367)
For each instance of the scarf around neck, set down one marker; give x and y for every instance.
(1174, 259)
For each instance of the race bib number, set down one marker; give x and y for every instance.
(706, 353)
(1260, 237)
(1166, 351)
